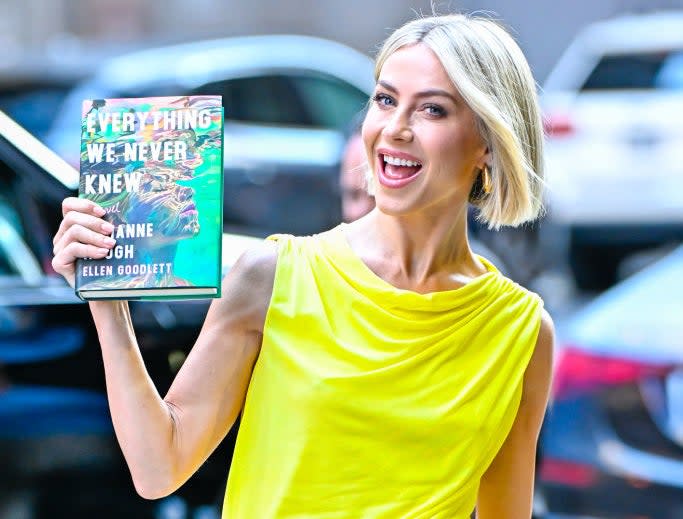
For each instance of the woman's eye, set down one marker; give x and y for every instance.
(383, 100)
(435, 110)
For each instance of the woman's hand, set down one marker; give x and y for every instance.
(82, 234)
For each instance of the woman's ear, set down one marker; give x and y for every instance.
(485, 159)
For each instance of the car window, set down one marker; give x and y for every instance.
(292, 99)
(331, 102)
(33, 108)
(269, 99)
(629, 71)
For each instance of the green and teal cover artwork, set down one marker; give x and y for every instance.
(156, 166)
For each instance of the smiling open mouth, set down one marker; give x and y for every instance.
(396, 172)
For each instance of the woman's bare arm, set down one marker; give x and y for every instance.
(165, 440)
(506, 489)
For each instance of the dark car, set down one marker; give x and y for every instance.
(612, 442)
(58, 453)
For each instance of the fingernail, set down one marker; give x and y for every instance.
(109, 241)
(103, 251)
(98, 210)
(107, 227)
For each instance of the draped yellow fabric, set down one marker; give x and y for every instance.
(369, 401)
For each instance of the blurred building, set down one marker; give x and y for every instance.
(86, 29)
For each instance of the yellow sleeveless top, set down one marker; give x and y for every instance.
(369, 401)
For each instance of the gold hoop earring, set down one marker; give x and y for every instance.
(482, 187)
(486, 182)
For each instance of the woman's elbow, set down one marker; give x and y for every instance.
(154, 487)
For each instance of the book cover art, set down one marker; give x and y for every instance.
(156, 166)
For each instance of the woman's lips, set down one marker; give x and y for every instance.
(392, 176)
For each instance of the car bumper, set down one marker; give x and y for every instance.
(587, 469)
(612, 497)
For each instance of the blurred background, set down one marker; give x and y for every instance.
(295, 75)
(80, 31)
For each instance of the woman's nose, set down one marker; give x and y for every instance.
(398, 127)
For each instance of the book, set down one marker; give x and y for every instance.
(156, 166)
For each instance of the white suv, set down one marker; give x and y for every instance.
(613, 106)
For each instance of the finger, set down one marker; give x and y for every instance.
(64, 261)
(82, 205)
(73, 218)
(83, 235)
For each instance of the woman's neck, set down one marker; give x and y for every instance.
(414, 252)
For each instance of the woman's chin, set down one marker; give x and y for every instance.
(392, 206)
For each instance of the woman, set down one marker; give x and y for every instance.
(390, 371)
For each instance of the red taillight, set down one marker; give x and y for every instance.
(578, 371)
(567, 473)
(558, 125)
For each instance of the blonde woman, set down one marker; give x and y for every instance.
(381, 368)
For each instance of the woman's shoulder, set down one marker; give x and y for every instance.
(260, 260)
(538, 375)
(546, 332)
(247, 288)
(509, 288)
(255, 268)
(310, 242)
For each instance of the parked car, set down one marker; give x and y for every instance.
(614, 156)
(612, 442)
(287, 101)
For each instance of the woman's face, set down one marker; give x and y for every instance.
(421, 138)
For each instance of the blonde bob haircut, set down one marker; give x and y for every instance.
(492, 75)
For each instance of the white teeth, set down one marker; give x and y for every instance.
(400, 162)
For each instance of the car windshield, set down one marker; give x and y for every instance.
(653, 70)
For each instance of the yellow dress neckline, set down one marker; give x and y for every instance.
(360, 269)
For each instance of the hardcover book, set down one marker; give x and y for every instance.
(156, 166)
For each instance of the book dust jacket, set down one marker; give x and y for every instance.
(156, 166)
